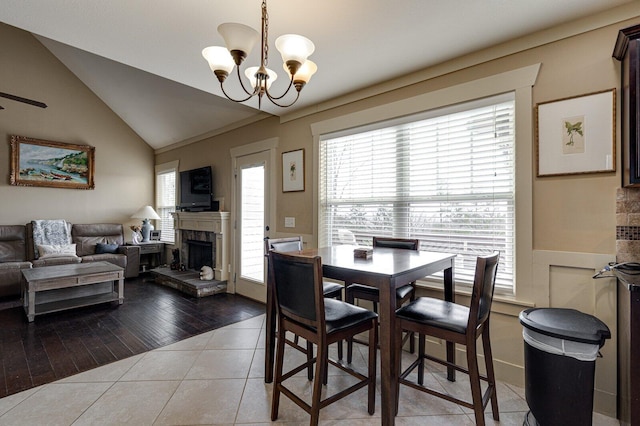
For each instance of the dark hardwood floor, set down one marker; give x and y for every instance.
(61, 344)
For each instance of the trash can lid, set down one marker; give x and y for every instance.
(568, 324)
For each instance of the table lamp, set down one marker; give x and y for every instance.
(145, 213)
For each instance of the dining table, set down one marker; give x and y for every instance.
(386, 269)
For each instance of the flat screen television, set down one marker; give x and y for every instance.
(196, 190)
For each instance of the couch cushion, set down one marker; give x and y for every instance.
(50, 261)
(14, 265)
(116, 259)
(12, 243)
(87, 236)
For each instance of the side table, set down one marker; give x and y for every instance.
(151, 255)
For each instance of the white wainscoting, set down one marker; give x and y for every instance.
(559, 280)
(564, 280)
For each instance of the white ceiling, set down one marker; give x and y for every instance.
(142, 58)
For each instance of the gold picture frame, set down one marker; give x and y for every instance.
(37, 162)
(293, 171)
(576, 135)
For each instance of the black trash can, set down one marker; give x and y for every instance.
(560, 350)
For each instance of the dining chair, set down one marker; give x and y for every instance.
(329, 289)
(460, 324)
(303, 310)
(403, 294)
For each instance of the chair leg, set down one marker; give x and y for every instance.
(488, 359)
(349, 299)
(474, 379)
(398, 366)
(309, 358)
(421, 352)
(373, 349)
(277, 376)
(321, 371)
(340, 352)
(412, 335)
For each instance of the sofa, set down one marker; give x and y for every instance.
(13, 259)
(93, 243)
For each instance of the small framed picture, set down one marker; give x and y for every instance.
(577, 135)
(293, 171)
(154, 236)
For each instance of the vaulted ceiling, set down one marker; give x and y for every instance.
(143, 58)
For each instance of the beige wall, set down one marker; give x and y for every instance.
(124, 178)
(572, 217)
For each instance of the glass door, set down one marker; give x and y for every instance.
(252, 190)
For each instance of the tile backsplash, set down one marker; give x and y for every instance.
(628, 225)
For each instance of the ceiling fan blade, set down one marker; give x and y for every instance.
(23, 100)
(1, 107)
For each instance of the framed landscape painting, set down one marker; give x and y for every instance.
(54, 164)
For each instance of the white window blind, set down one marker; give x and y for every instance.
(445, 177)
(166, 203)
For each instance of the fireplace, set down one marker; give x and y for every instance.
(200, 254)
(202, 240)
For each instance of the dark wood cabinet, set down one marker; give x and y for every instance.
(627, 51)
(628, 349)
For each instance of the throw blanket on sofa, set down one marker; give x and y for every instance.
(50, 232)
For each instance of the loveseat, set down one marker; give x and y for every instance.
(93, 243)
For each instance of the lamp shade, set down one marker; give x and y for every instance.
(304, 73)
(294, 47)
(219, 58)
(146, 212)
(251, 75)
(238, 36)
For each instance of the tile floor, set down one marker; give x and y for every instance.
(217, 378)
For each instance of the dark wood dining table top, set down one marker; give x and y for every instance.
(387, 262)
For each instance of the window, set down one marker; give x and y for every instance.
(166, 176)
(444, 176)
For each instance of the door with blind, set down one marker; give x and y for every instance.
(252, 198)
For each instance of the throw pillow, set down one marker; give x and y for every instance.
(64, 250)
(102, 248)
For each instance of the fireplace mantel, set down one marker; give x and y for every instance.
(214, 222)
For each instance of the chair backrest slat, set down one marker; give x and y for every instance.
(283, 244)
(401, 243)
(483, 289)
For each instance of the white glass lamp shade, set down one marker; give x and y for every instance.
(304, 73)
(219, 58)
(251, 75)
(294, 47)
(238, 36)
(146, 212)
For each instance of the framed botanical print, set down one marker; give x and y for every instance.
(293, 171)
(577, 135)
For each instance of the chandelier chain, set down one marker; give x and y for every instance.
(265, 32)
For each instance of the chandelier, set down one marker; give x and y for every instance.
(240, 39)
